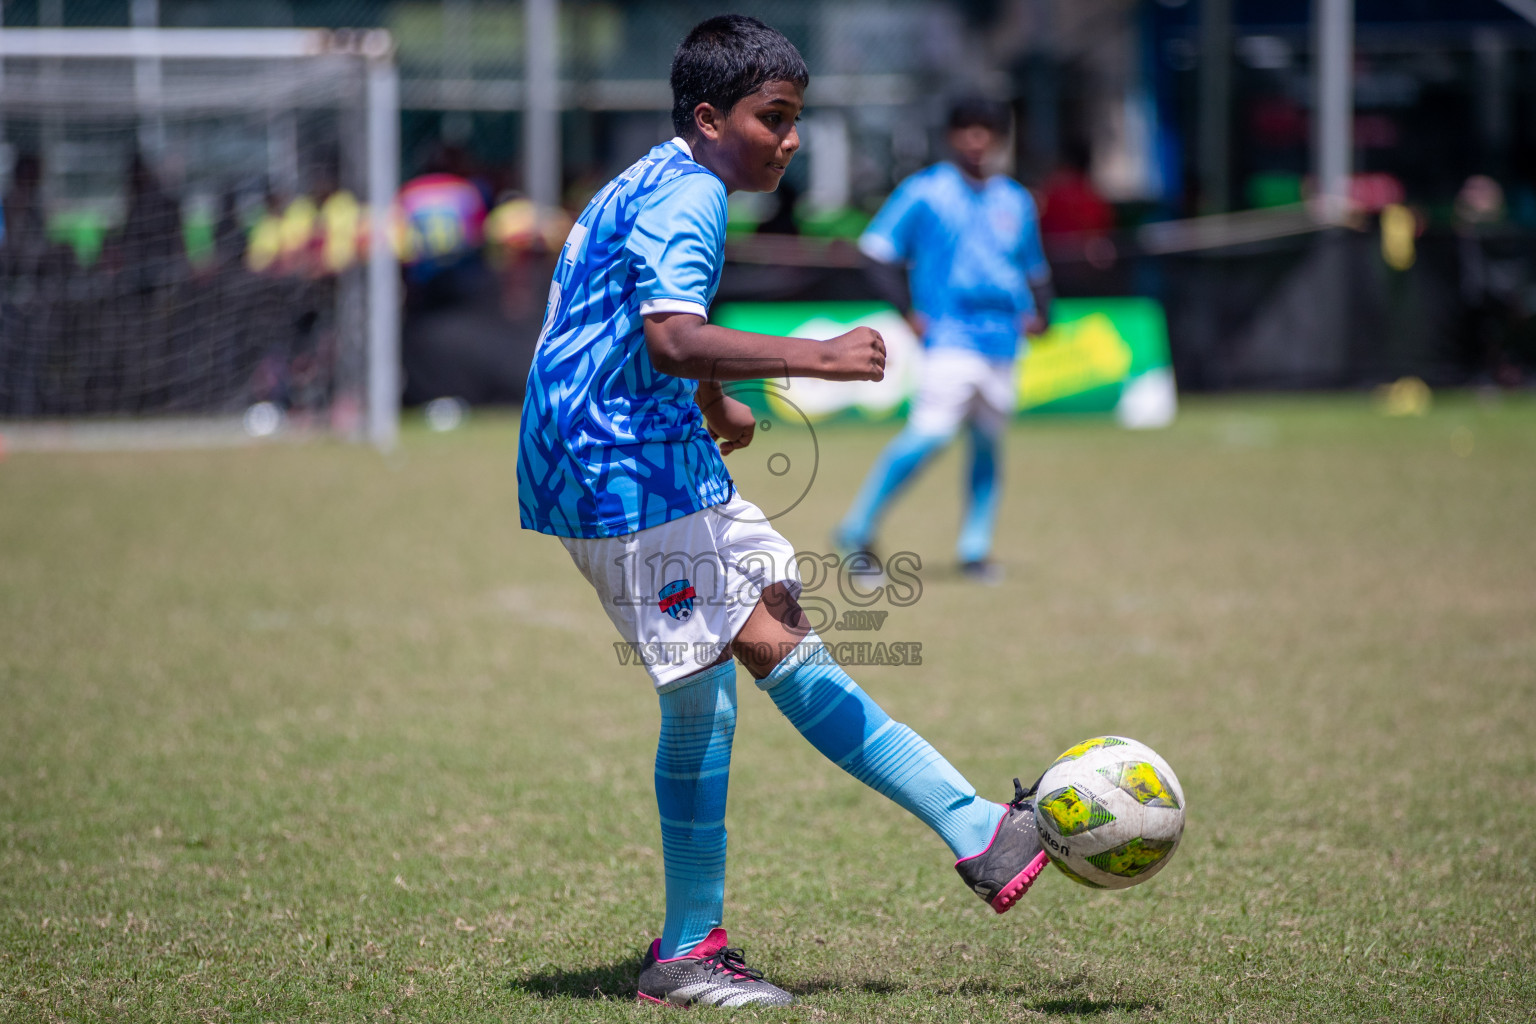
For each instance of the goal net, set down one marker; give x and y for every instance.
(195, 244)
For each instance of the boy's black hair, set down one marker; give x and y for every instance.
(971, 111)
(725, 59)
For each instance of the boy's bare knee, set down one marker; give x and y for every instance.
(775, 627)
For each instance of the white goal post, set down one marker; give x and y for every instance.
(197, 226)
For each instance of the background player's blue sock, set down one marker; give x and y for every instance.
(901, 459)
(981, 509)
(693, 764)
(840, 720)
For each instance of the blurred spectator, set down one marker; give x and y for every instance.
(1495, 274)
(265, 244)
(521, 238)
(305, 239)
(24, 258)
(341, 231)
(25, 242)
(1069, 204)
(518, 225)
(1075, 222)
(229, 235)
(151, 247)
(296, 235)
(442, 221)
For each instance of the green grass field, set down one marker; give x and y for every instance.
(305, 733)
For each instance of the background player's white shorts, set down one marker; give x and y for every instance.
(957, 385)
(680, 592)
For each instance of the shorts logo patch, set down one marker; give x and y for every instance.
(677, 599)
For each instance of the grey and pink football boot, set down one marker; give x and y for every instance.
(713, 974)
(1004, 871)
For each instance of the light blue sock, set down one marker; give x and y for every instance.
(693, 765)
(899, 462)
(840, 720)
(981, 504)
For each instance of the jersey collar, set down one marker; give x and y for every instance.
(971, 184)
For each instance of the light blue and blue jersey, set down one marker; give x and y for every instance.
(972, 251)
(609, 444)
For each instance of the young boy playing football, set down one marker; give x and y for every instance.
(971, 243)
(618, 457)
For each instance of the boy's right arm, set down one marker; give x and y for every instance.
(685, 345)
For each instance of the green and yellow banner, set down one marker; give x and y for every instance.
(1104, 356)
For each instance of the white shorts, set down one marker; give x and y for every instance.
(958, 385)
(680, 592)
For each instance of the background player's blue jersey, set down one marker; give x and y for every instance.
(972, 252)
(609, 444)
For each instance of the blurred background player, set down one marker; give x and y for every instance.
(967, 242)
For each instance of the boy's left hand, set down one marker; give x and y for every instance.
(730, 422)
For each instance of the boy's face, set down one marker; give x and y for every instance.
(974, 146)
(752, 143)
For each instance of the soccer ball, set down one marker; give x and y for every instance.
(1110, 812)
